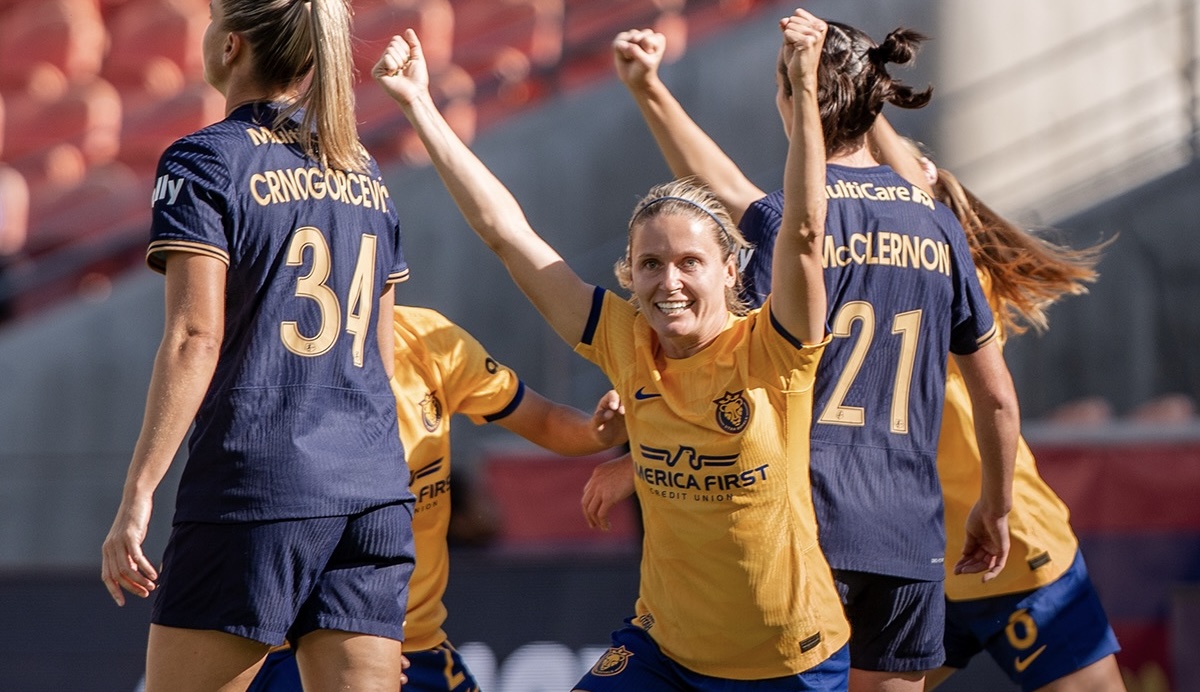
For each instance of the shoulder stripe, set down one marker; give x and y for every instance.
(783, 332)
(988, 336)
(589, 331)
(156, 252)
(512, 405)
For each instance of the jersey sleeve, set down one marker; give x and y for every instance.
(759, 226)
(191, 208)
(475, 384)
(608, 340)
(794, 362)
(973, 323)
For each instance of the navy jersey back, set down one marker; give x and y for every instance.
(902, 294)
(299, 419)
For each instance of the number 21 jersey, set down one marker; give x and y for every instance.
(902, 294)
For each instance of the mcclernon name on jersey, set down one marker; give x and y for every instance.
(304, 183)
(885, 248)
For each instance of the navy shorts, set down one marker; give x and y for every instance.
(272, 581)
(1037, 636)
(439, 669)
(896, 624)
(634, 663)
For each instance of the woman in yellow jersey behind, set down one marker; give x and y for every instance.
(442, 370)
(1040, 618)
(735, 593)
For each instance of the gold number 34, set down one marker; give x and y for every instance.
(312, 285)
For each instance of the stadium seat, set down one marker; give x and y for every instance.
(151, 125)
(377, 21)
(68, 34)
(589, 28)
(1169, 409)
(87, 116)
(147, 32)
(484, 28)
(1087, 411)
(108, 197)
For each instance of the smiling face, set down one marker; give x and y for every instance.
(681, 280)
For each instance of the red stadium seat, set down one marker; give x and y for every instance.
(151, 125)
(376, 22)
(590, 27)
(108, 197)
(146, 32)
(87, 116)
(485, 30)
(68, 34)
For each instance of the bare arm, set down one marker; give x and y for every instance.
(385, 332)
(555, 290)
(686, 148)
(565, 429)
(798, 285)
(890, 148)
(997, 428)
(183, 369)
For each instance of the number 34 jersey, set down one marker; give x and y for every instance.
(299, 419)
(902, 294)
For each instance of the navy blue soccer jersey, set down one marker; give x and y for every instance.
(902, 294)
(299, 420)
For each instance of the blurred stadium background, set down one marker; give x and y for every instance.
(1081, 117)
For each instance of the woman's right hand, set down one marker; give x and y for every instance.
(611, 482)
(637, 54)
(402, 70)
(125, 565)
(803, 38)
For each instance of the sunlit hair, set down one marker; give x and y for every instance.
(1027, 273)
(305, 45)
(690, 198)
(853, 83)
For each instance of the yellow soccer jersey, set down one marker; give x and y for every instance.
(1043, 545)
(733, 584)
(440, 370)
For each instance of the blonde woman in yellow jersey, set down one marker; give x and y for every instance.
(734, 594)
(1040, 618)
(442, 370)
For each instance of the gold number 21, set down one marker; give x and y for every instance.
(908, 326)
(313, 287)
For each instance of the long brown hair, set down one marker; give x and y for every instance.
(1027, 273)
(306, 44)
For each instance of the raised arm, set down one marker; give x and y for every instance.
(565, 429)
(798, 284)
(686, 148)
(997, 427)
(555, 290)
(891, 148)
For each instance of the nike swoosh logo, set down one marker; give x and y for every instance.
(642, 395)
(1022, 663)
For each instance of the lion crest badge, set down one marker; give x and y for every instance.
(431, 412)
(612, 662)
(733, 411)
